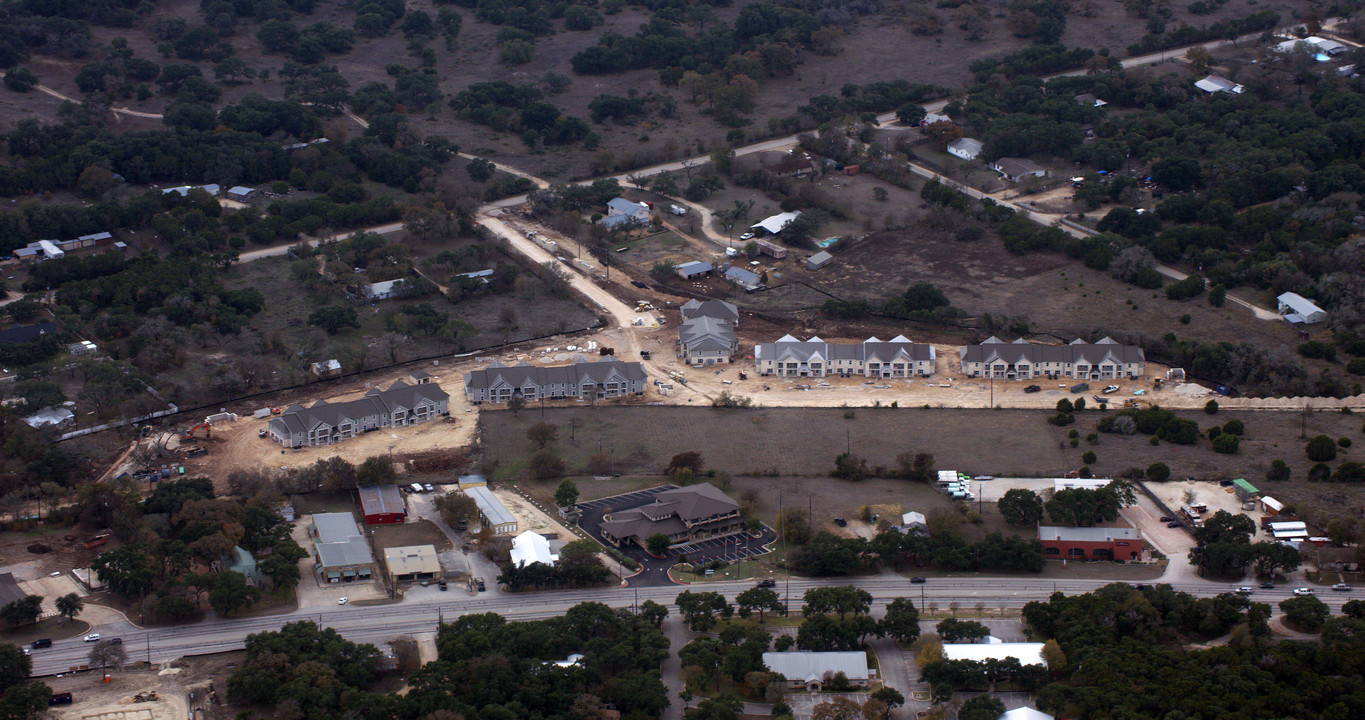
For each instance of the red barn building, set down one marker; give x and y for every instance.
(1092, 543)
(382, 505)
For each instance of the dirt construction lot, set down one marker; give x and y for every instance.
(114, 701)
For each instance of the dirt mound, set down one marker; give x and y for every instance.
(434, 461)
(39, 549)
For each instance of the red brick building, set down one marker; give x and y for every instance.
(382, 505)
(1093, 543)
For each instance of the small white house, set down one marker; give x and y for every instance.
(1016, 169)
(914, 522)
(1298, 309)
(965, 148)
(819, 260)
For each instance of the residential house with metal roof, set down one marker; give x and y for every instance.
(1022, 360)
(895, 358)
(326, 423)
(685, 515)
(1298, 309)
(750, 281)
(340, 552)
(583, 380)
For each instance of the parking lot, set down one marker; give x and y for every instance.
(655, 572)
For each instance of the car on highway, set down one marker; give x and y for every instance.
(1110, 389)
(115, 641)
(343, 600)
(41, 643)
(1342, 587)
(1267, 586)
(92, 637)
(917, 579)
(1303, 591)
(767, 583)
(1033, 389)
(1245, 590)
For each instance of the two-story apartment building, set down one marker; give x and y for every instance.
(707, 333)
(687, 514)
(326, 423)
(583, 380)
(1023, 360)
(895, 358)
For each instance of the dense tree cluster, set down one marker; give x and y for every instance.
(1126, 657)
(827, 554)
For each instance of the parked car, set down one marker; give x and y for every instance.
(918, 579)
(92, 637)
(1343, 587)
(1032, 389)
(441, 585)
(1110, 389)
(428, 487)
(1225, 483)
(677, 209)
(1167, 518)
(482, 587)
(343, 600)
(1303, 591)
(1080, 387)
(747, 236)
(1173, 524)
(840, 522)
(639, 284)
(59, 699)
(767, 583)
(1267, 586)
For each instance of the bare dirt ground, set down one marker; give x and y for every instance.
(421, 532)
(95, 700)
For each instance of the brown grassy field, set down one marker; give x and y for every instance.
(764, 449)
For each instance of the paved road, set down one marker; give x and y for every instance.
(379, 624)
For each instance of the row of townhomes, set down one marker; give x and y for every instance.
(325, 423)
(707, 333)
(896, 358)
(583, 380)
(1022, 360)
(685, 515)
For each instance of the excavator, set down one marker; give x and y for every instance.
(189, 434)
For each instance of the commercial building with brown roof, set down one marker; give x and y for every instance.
(689, 514)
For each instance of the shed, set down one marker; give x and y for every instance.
(382, 505)
(1298, 309)
(1217, 83)
(1244, 489)
(692, 269)
(819, 260)
(327, 368)
(99, 238)
(492, 513)
(1271, 506)
(58, 417)
(50, 250)
(385, 290)
(241, 193)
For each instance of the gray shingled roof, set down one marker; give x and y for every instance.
(997, 350)
(789, 349)
(298, 419)
(707, 333)
(524, 374)
(718, 309)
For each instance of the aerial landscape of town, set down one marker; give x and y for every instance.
(682, 359)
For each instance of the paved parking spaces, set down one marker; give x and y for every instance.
(729, 549)
(620, 502)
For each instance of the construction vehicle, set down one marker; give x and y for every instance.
(189, 434)
(196, 452)
(1134, 404)
(149, 696)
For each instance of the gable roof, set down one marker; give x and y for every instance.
(1218, 83)
(530, 547)
(707, 333)
(1025, 713)
(410, 559)
(1078, 351)
(743, 277)
(670, 511)
(517, 376)
(898, 349)
(400, 395)
(1299, 304)
(622, 206)
(1014, 167)
(10, 590)
(339, 541)
(970, 146)
(695, 267)
(381, 499)
(805, 666)
(775, 223)
(489, 505)
(718, 309)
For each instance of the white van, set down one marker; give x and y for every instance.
(416, 487)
